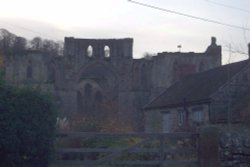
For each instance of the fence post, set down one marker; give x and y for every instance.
(208, 147)
(162, 146)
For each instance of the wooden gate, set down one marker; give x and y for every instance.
(127, 149)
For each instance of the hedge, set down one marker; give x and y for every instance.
(27, 128)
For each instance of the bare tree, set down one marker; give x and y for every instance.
(7, 40)
(36, 43)
(50, 46)
(10, 43)
(47, 46)
(19, 44)
(148, 56)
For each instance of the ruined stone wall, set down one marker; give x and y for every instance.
(170, 67)
(98, 76)
(31, 68)
(154, 119)
(97, 73)
(83, 51)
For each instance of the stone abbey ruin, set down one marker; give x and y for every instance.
(98, 76)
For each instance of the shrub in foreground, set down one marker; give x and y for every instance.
(27, 128)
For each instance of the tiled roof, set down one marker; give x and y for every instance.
(197, 87)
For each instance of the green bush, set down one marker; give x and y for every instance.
(27, 128)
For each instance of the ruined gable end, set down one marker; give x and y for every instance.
(98, 49)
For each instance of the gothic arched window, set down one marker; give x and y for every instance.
(106, 51)
(90, 51)
(79, 102)
(88, 106)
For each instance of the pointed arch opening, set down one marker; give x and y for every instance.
(88, 106)
(106, 51)
(79, 102)
(90, 51)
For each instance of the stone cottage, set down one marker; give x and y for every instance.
(219, 95)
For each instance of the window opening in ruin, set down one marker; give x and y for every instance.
(52, 75)
(90, 51)
(88, 106)
(79, 102)
(29, 71)
(106, 51)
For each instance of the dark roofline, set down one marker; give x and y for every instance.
(147, 106)
(153, 103)
(98, 39)
(187, 103)
(165, 53)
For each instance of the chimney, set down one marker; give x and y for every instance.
(213, 41)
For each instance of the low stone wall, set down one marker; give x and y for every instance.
(224, 147)
(234, 149)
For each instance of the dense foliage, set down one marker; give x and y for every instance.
(13, 44)
(27, 128)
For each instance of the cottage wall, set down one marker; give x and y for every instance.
(229, 97)
(154, 121)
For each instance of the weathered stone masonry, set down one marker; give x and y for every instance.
(100, 75)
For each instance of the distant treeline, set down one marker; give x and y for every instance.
(13, 44)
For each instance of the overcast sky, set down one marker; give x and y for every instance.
(153, 31)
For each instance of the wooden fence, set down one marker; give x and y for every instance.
(127, 149)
